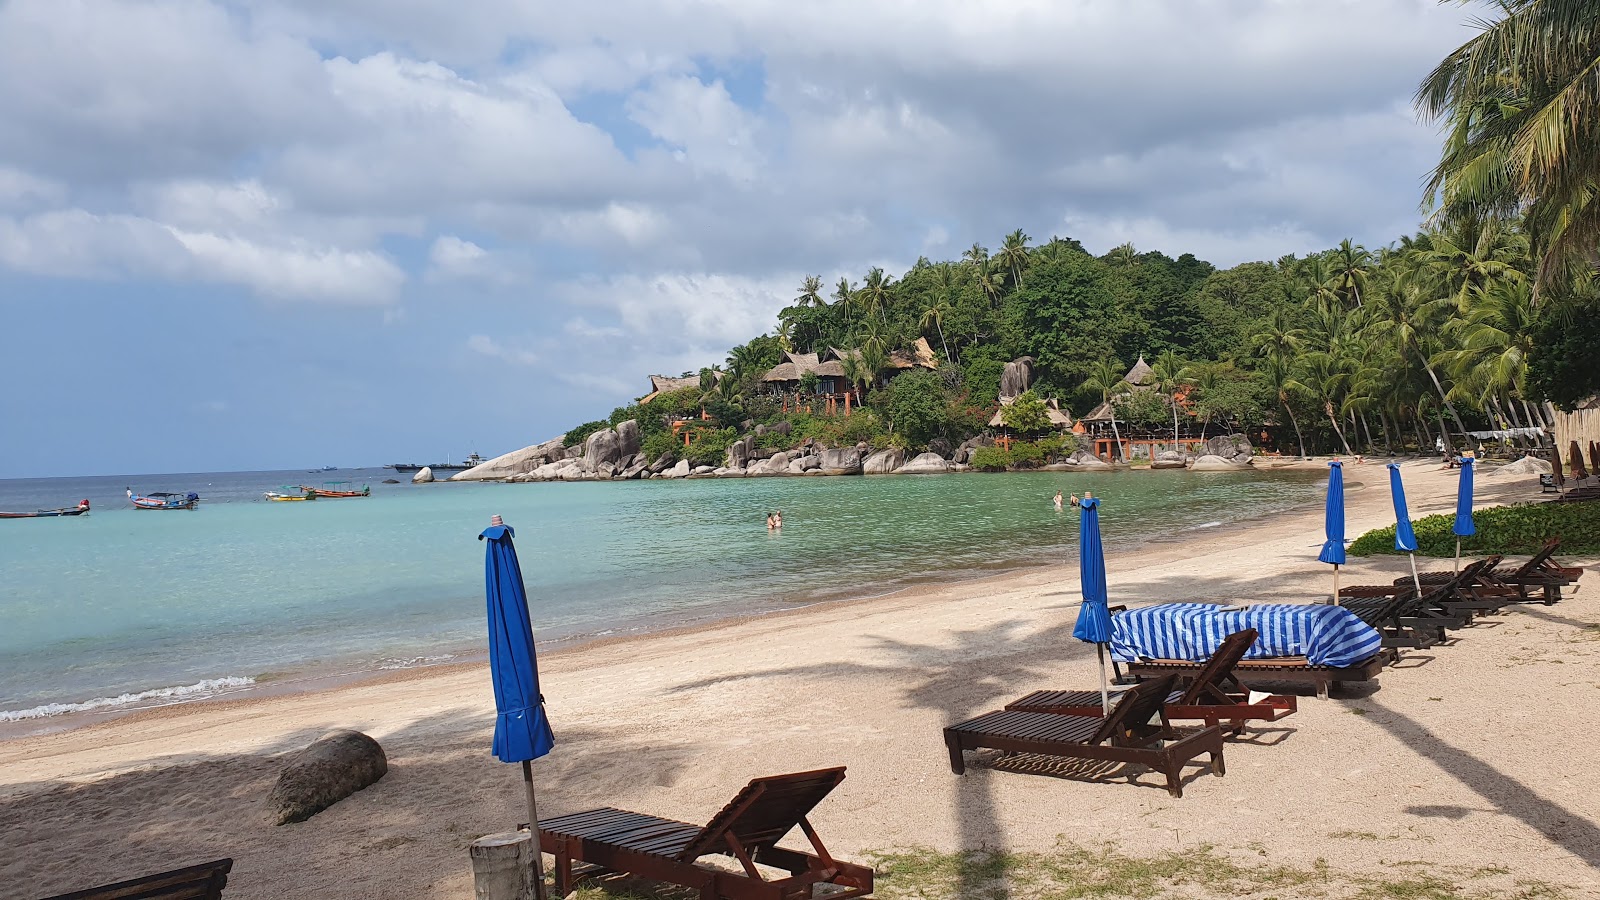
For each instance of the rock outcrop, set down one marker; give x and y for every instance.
(1212, 463)
(628, 438)
(424, 476)
(332, 768)
(681, 470)
(926, 464)
(884, 462)
(845, 461)
(1086, 460)
(602, 447)
(517, 462)
(1015, 377)
(1234, 448)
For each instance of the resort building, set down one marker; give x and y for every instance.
(1136, 442)
(833, 389)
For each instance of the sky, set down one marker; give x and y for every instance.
(252, 234)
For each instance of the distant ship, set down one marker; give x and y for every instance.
(465, 464)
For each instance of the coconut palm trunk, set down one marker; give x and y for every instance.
(1299, 438)
(1334, 421)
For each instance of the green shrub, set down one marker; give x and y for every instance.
(578, 434)
(661, 442)
(1516, 529)
(989, 459)
(709, 447)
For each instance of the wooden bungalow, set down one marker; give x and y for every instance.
(833, 389)
(1060, 419)
(662, 384)
(1097, 424)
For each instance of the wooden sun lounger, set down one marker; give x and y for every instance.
(1279, 668)
(1127, 735)
(1207, 698)
(1516, 584)
(202, 882)
(748, 828)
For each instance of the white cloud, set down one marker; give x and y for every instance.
(483, 345)
(714, 134)
(77, 243)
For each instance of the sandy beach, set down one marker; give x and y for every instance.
(1471, 760)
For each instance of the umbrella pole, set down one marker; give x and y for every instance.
(1415, 579)
(1105, 693)
(533, 832)
(1458, 555)
(1335, 584)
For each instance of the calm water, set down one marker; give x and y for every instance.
(132, 607)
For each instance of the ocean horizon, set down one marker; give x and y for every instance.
(124, 609)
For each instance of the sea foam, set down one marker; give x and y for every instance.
(159, 696)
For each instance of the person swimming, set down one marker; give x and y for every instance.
(1057, 501)
(777, 519)
(772, 523)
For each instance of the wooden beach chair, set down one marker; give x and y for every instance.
(1296, 669)
(1213, 695)
(1541, 574)
(1127, 735)
(747, 829)
(201, 882)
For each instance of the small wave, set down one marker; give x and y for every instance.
(160, 695)
(414, 661)
(1205, 525)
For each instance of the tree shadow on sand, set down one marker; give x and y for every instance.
(1567, 828)
(405, 836)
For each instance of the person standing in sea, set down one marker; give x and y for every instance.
(1058, 501)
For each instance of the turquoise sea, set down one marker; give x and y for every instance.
(131, 608)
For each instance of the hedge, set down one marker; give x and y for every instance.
(1503, 529)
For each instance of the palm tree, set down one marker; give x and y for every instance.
(1170, 374)
(811, 292)
(1492, 344)
(1014, 254)
(1351, 262)
(1123, 255)
(934, 312)
(992, 281)
(1105, 377)
(1521, 103)
(1404, 315)
(845, 293)
(875, 294)
(1278, 372)
(976, 255)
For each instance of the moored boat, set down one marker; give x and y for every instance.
(290, 493)
(164, 500)
(445, 466)
(336, 489)
(81, 509)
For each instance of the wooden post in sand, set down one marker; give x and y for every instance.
(502, 866)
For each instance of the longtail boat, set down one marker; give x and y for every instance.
(290, 494)
(164, 500)
(80, 509)
(335, 489)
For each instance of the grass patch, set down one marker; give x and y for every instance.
(1520, 529)
(1076, 872)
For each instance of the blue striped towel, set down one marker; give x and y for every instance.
(1324, 635)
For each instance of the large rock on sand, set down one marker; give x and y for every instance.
(332, 768)
(1211, 463)
(1234, 448)
(841, 462)
(926, 464)
(602, 447)
(883, 462)
(424, 476)
(517, 462)
(627, 438)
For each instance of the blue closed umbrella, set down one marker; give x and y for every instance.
(521, 730)
(1333, 525)
(1094, 618)
(1464, 526)
(1405, 540)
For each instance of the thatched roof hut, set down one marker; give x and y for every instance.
(1058, 416)
(1141, 378)
(661, 384)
